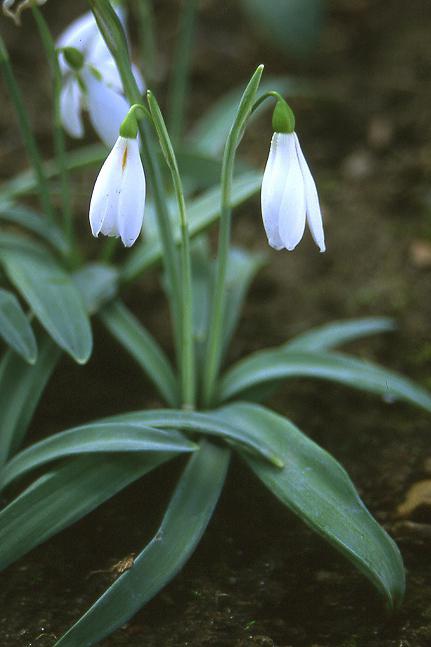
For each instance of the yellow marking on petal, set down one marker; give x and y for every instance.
(124, 160)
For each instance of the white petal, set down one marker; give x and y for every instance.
(79, 34)
(104, 200)
(107, 108)
(273, 185)
(314, 215)
(132, 197)
(292, 208)
(70, 108)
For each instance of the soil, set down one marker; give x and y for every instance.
(259, 577)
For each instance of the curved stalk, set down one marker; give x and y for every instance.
(113, 34)
(213, 353)
(187, 343)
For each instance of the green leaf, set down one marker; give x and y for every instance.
(293, 26)
(183, 525)
(272, 366)
(53, 297)
(241, 270)
(18, 214)
(97, 437)
(337, 333)
(85, 157)
(202, 212)
(15, 327)
(143, 348)
(64, 495)
(203, 423)
(21, 387)
(210, 133)
(98, 284)
(316, 488)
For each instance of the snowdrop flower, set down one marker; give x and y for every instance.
(91, 81)
(16, 15)
(289, 196)
(118, 200)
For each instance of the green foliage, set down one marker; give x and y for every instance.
(15, 328)
(53, 297)
(183, 524)
(316, 488)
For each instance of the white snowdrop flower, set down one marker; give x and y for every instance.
(118, 200)
(289, 196)
(94, 84)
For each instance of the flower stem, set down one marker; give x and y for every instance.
(188, 386)
(181, 68)
(113, 34)
(213, 351)
(26, 132)
(59, 140)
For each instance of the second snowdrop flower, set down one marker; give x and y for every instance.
(289, 195)
(118, 200)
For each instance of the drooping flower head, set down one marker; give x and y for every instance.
(118, 199)
(92, 83)
(289, 196)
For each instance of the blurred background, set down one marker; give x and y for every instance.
(357, 73)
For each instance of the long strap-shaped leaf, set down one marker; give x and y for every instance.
(185, 520)
(204, 423)
(21, 386)
(315, 486)
(202, 212)
(269, 367)
(96, 438)
(53, 297)
(64, 495)
(337, 333)
(15, 327)
(143, 347)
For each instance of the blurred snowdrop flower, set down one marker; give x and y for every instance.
(289, 196)
(24, 4)
(91, 82)
(118, 200)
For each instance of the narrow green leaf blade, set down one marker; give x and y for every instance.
(270, 367)
(98, 437)
(316, 488)
(15, 327)
(241, 269)
(53, 297)
(97, 283)
(183, 525)
(202, 212)
(21, 387)
(18, 214)
(142, 346)
(337, 333)
(64, 495)
(204, 423)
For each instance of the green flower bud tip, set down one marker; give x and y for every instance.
(74, 58)
(283, 119)
(129, 127)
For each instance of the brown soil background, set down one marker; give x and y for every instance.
(259, 576)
